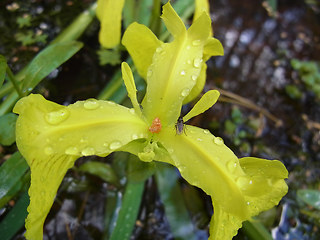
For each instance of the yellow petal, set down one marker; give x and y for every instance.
(131, 86)
(51, 137)
(205, 102)
(200, 7)
(109, 13)
(174, 67)
(141, 44)
(239, 189)
(213, 47)
(206, 162)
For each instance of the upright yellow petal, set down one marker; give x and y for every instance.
(51, 137)
(175, 68)
(130, 86)
(141, 44)
(109, 13)
(200, 7)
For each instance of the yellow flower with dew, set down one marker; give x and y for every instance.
(51, 136)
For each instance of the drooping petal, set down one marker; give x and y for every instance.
(109, 13)
(205, 102)
(239, 190)
(130, 86)
(51, 137)
(174, 67)
(141, 44)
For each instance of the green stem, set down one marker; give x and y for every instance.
(14, 82)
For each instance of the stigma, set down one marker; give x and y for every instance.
(155, 125)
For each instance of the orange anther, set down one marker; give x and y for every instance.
(155, 126)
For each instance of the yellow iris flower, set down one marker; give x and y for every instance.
(51, 136)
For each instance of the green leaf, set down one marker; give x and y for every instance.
(3, 67)
(102, 170)
(7, 130)
(14, 220)
(175, 208)
(109, 56)
(48, 60)
(310, 196)
(24, 21)
(128, 211)
(11, 173)
(255, 230)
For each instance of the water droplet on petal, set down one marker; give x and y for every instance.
(114, 145)
(197, 62)
(134, 136)
(188, 47)
(248, 203)
(199, 139)
(206, 131)
(170, 150)
(231, 165)
(159, 49)
(149, 73)
(218, 141)
(91, 104)
(189, 61)
(57, 117)
(185, 92)
(132, 110)
(72, 151)
(194, 77)
(183, 72)
(88, 151)
(48, 150)
(196, 42)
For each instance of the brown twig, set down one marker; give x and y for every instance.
(230, 97)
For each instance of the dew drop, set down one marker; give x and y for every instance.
(170, 150)
(185, 92)
(231, 165)
(188, 47)
(218, 141)
(114, 145)
(183, 72)
(149, 73)
(48, 150)
(132, 110)
(196, 42)
(72, 151)
(199, 139)
(194, 77)
(197, 62)
(88, 151)
(248, 203)
(57, 116)
(134, 136)
(159, 49)
(206, 131)
(91, 104)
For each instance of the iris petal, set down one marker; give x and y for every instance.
(239, 189)
(51, 137)
(109, 13)
(141, 43)
(174, 67)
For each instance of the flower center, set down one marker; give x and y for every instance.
(155, 125)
